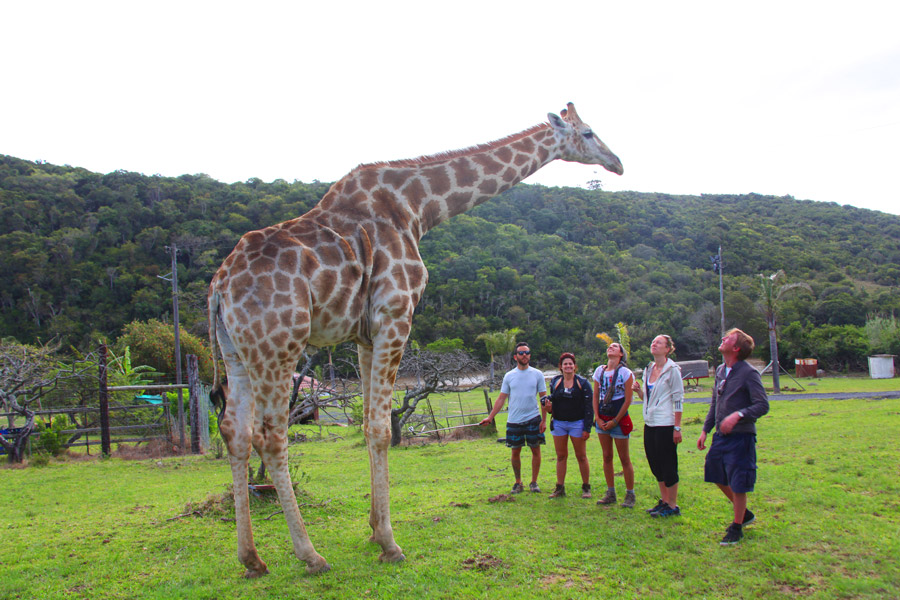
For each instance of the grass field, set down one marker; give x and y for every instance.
(827, 504)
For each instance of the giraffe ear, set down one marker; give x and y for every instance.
(556, 122)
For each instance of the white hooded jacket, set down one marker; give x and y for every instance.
(666, 398)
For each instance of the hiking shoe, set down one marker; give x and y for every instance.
(667, 511)
(608, 498)
(559, 492)
(659, 506)
(630, 500)
(533, 486)
(749, 517)
(585, 490)
(517, 489)
(733, 535)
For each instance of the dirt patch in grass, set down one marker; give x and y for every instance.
(482, 562)
(146, 450)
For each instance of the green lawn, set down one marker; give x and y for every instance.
(827, 505)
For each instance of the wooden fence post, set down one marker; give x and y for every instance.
(490, 407)
(193, 373)
(104, 404)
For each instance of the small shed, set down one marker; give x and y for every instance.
(881, 366)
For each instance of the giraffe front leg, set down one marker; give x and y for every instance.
(379, 368)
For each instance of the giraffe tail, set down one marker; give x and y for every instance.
(212, 303)
(217, 393)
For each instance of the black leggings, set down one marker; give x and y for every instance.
(662, 453)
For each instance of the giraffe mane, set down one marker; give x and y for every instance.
(451, 154)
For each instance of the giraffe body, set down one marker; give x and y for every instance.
(350, 270)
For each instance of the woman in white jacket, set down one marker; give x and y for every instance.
(664, 392)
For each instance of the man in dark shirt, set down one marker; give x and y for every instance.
(738, 400)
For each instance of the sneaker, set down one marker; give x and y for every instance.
(733, 535)
(585, 490)
(559, 492)
(533, 486)
(659, 506)
(608, 498)
(667, 511)
(517, 489)
(749, 517)
(630, 500)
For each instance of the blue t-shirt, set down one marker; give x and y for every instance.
(522, 386)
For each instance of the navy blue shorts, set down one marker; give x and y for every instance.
(731, 461)
(519, 434)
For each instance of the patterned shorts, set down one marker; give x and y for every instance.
(519, 434)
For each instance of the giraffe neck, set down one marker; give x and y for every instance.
(419, 194)
(462, 180)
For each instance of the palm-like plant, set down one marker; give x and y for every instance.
(499, 342)
(770, 296)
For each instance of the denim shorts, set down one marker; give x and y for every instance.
(563, 428)
(731, 461)
(615, 432)
(519, 434)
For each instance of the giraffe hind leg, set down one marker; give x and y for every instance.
(235, 427)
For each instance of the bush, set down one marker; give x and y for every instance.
(51, 440)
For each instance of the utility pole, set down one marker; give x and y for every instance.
(718, 268)
(174, 279)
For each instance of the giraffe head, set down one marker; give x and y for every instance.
(579, 143)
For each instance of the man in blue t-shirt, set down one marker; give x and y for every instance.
(526, 423)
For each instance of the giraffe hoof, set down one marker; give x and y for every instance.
(254, 573)
(317, 566)
(395, 556)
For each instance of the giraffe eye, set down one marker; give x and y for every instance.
(588, 134)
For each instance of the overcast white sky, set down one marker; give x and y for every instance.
(772, 97)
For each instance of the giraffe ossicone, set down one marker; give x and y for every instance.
(350, 270)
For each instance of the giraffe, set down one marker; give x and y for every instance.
(350, 270)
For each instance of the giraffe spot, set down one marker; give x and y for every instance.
(228, 261)
(490, 166)
(396, 177)
(286, 318)
(324, 284)
(521, 159)
(241, 286)
(287, 261)
(415, 193)
(510, 175)
(263, 264)
(330, 255)
(389, 239)
(282, 282)
(351, 186)
(459, 202)
(341, 301)
(466, 175)
(504, 154)
(415, 274)
(292, 347)
(384, 203)
(368, 178)
(438, 180)
(543, 154)
(266, 389)
(380, 261)
(280, 300)
(432, 214)
(524, 145)
(253, 241)
(308, 264)
(279, 339)
(488, 186)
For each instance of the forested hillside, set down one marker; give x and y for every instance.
(82, 252)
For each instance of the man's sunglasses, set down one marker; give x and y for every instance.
(522, 352)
